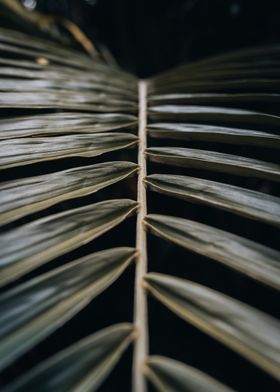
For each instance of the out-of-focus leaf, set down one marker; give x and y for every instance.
(219, 115)
(248, 58)
(168, 375)
(33, 310)
(212, 133)
(255, 205)
(262, 85)
(18, 39)
(25, 46)
(63, 123)
(23, 151)
(25, 196)
(42, 98)
(35, 243)
(26, 70)
(94, 92)
(251, 333)
(248, 257)
(82, 366)
(212, 99)
(212, 160)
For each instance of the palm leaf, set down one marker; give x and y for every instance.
(225, 319)
(211, 113)
(25, 196)
(63, 123)
(40, 241)
(29, 150)
(213, 133)
(45, 303)
(173, 376)
(83, 365)
(255, 260)
(235, 199)
(71, 105)
(216, 161)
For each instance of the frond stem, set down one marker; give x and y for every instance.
(140, 299)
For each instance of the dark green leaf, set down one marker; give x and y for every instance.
(212, 160)
(237, 200)
(23, 151)
(82, 366)
(168, 375)
(28, 195)
(35, 243)
(213, 133)
(251, 333)
(248, 257)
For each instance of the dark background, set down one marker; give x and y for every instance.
(148, 36)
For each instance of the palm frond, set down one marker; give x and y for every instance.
(212, 133)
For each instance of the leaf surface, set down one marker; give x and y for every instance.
(215, 161)
(237, 200)
(24, 151)
(82, 366)
(248, 257)
(229, 321)
(168, 375)
(28, 195)
(33, 244)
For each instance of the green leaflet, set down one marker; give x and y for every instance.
(42, 304)
(61, 74)
(35, 243)
(212, 160)
(25, 196)
(87, 92)
(213, 133)
(43, 98)
(219, 115)
(251, 333)
(23, 151)
(262, 85)
(237, 200)
(230, 71)
(248, 257)
(63, 123)
(81, 367)
(168, 375)
(212, 98)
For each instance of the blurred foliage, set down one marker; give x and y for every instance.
(147, 37)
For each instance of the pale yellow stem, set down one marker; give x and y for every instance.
(140, 299)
